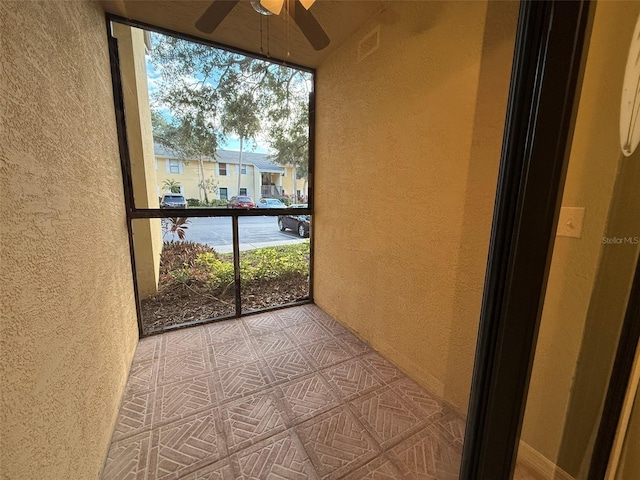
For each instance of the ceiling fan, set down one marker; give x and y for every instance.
(297, 9)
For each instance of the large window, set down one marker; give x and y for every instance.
(215, 116)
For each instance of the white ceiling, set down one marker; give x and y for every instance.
(243, 26)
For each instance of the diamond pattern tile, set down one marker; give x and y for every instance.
(382, 368)
(262, 323)
(336, 442)
(327, 353)
(142, 377)
(279, 457)
(135, 414)
(307, 332)
(182, 447)
(272, 343)
(426, 456)
(426, 405)
(290, 394)
(307, 397)
(241, 380)
(178, 400)
(230, 353)
(293, 316)
(351, 379)
(288, 365)
(220, 332)
(386, 416)
(182, 367)
(251, 419)
(182, 341)
(221, 470)
(128, 459)
(380, 468)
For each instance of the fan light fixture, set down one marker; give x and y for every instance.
(275, 6)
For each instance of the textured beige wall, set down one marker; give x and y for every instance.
(146, 232)
(583, 282)
(408, 147)
(68, 328)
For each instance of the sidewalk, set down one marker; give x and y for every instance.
(252, 246)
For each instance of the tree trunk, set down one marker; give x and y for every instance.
(203, 185)
(240, 164)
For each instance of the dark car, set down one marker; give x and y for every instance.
(270, 203)
(173, 200)
(297, 223)
(241, 201)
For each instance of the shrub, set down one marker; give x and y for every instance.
(176, 255)
(218, 203)
(193, 202)
(286, 200)
(220, 274)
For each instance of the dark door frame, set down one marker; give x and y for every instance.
(549, 59)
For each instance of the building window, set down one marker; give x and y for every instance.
(174, 166)
(224, 194)
(243, 191)
(222, 169)
(243, 170)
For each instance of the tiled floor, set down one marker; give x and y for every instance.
(286, 395)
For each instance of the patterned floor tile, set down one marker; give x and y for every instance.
(426, 405)
(353, 343)
(218, 471)
(142, 377)
(336, 442)
(230, 353)
(381, 367)
(288, 365)
(251, 419)
(182, 399)
(279, 457)
(273, 343)
(328, 352)
(380, 468)
(307, 397)
(182, 367)
(182, 447)
(334, 327)
(427, 455)
(289, 317)
(148, 348)
(351, 379)
(241, 380)
(219, 332)
(182, 341)
(262, 323)
(128, 459)
(307, 332)
(453, 425)
(135, 415)
(386, 416)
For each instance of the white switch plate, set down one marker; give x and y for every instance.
(570, 222)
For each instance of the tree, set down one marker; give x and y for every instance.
(240, 117)
(171, 186)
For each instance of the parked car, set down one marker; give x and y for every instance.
(298, 223)
(173, 200)
(241, 201)
(270, 203)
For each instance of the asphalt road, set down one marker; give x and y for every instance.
(254, 232)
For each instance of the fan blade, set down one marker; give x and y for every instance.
(215, 14)
(308, 25)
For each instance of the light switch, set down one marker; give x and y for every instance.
(570, 222)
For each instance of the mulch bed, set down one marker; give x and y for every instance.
(178, 303)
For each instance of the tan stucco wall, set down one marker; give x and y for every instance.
(146, 232)
(407, 153)
(588, 282)
(68, 329)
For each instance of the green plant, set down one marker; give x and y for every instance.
(171, 186)
(175, 226)
(193, 202)
(220, 274)
(286, 200)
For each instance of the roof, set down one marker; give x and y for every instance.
(262, 161)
